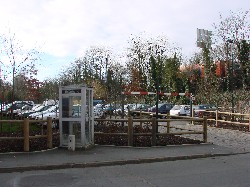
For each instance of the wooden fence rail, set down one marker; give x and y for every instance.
(26, 135)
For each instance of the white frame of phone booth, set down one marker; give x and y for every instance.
(81, 124)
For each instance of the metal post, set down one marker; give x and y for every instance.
(192, 115)
(157, 103)
(232, 75)
(232, 79)
(191, 107)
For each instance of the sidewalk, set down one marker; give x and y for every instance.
(61, 158)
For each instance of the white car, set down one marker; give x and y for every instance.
(180, 110)
(53, 114)
(98, 113)
(48, 109)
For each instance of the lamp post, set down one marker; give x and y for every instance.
(158, 85)
(229, 41)
(13, 87)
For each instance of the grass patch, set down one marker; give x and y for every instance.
(17, 127)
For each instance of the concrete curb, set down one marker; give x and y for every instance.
(111, 163)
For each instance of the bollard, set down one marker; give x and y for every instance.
(71, 142)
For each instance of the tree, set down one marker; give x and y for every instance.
(93, 69)
(17, 61)
(50, 89)
(208, 87)
(231, 35)
(137, 62)
(244, 54)
(147, 61)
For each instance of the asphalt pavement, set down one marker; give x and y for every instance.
(97, 156)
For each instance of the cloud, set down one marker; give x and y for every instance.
(68, 28)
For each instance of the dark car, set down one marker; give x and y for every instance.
(199, 110)
(163, 108)
(135, 110)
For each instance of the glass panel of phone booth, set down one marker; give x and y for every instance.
(89, 114)
(69, 127)
(71, 106)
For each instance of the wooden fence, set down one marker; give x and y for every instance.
(154, 123)
(228, 118)
(26, 135)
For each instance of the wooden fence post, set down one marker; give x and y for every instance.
(216, 118)
(49, 132)
(192, 115)
(153, 131)
(26, 142)
(249, 122)
(205, 129)
(168, 124)
(140, 118)
(130, 131)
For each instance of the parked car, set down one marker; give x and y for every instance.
(36, 108)
(135, 110)
(108, 109)
(98, 113)
(16, 107)
(180, 110)
(54, 114)
(200, 109)
(127, 107)
(163, 108)
(43, 111)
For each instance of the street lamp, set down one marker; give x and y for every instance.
(13, 87)
(230, 41)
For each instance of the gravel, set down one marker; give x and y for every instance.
(231, 136)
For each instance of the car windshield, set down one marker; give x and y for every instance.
(203, 107)
(176, 107)
(160, 105)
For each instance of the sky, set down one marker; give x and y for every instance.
(64, 29)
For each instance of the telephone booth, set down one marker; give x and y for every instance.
(76, 121)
